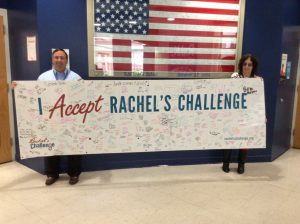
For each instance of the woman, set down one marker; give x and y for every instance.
(246, 69)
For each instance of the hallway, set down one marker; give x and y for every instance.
(266, 193)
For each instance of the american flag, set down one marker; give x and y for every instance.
(197, 36)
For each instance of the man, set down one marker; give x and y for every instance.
(59, 72)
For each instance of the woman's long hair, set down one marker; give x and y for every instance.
(254, 64)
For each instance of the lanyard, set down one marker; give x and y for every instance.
(65, 74)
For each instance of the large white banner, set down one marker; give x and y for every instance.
(116, 116)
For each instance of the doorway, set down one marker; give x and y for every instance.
(285, 100)
(6, 149)
(296, 123)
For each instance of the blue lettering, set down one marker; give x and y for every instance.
(131, 99)
(220, 101)
(148, 103)
(155, 109)
(189, 102)
(227, 101)
(244, 106)
(180, 107)
(236, 103)
(140, 103)
(122, 105)
(212, 107)
(205, 102)
(168, 105)
(113, 104)
(198, 103)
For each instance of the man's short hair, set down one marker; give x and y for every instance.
(60, 49)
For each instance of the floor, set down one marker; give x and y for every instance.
(266, 193)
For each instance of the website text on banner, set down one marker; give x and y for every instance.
(91, 117)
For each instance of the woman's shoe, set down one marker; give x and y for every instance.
(241, 168)
(225, 167)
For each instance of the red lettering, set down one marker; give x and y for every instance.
(40, 140)
(76, 109)
(81, 108)
(58, 105)
(88, 110)
(97, 102)
(69, 110)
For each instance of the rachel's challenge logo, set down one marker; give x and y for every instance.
(41, 143)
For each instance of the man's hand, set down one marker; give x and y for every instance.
(13, 84)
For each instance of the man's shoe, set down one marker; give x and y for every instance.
(73, 180)
(241, 168)
(51, 180)
(225, 167)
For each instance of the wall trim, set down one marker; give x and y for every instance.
(3, 12)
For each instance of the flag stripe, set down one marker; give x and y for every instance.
(168, 38)
(128, 54)
(193, 10)
(219, 1)
(191, 15)
(193, 22)
(175, 68)
(120, 42)
(196, 4)
(163, 61)
(177, 50)
(189, 27)
(190, 33)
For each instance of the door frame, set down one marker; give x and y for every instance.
(296, 98)
(3, 13)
